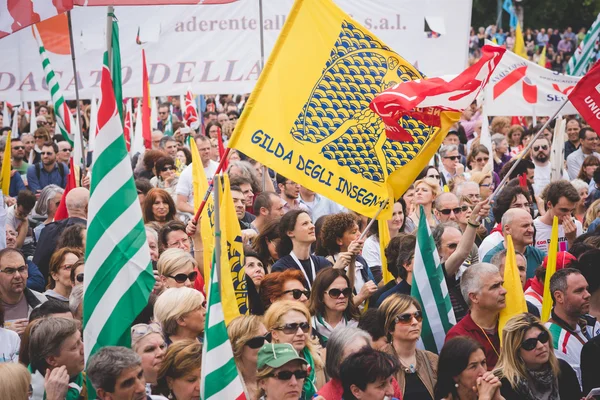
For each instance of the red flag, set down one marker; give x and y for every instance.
(127, 125)
(146, 110)
(61, 212)
(426, 99)
(586, 97)
(190, 112)
(221, 149)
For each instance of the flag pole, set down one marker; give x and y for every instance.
(372, 221)
(262, 67)
(109, 13)
(217, 254)
(210, 187)
(526, 150)
(79, 125)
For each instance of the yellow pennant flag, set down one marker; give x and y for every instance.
(384, 240)
(234, 291)
(550, 270)
(323, 72)
(207, 221)
(6, 167)
(515, 299)
(542, 60)
(519, 48)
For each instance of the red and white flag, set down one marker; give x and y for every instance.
(127, 123)
(18, 14)
(586, 97)
(425, 99)
(191, 113)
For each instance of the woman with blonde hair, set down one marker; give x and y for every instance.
(583, 191)
(426, 190)
(485, 182)
(15, 381)
(148, 342)
(528, 367)
(402, 322)
(247, 335)
(179, 374)
(591, 214)
(289, 322)
(180, 313)
(177, 268)
(59, 273)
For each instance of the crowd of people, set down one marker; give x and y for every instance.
(322, 322)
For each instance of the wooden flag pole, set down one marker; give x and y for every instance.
(372, 221)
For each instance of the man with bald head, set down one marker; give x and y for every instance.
(446, 207)
(77, 209)
(518, 223)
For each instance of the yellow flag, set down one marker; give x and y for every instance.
(515, 299)
(519, 48)
(542, 60)
(550, 270)
(6, 167)
(207, 222)
(384, 240)
(323, 73)
(234, 291)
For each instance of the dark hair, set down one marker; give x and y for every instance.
(188, 155)
(51, 144)
(210, 125)
(588, 265)
(9, 250)
(47, 308)
(237, 180)
(475, 150)
(71, 237)
(585, 130)
(167, 228)
(150, 158)
(151, 197)
(1, 315)
(558, 281)
(262, 200)
(269, 232)
(143, 186)
(521, 168)
(369, 322)
(334, 228)
(588, 161)
(406, 252)
(233, 113)
(374, 230)
(453, 360)
(26, 199)
(165, 139)
(162, 162)
(425, 170)
(505, 197)
(555, 190)
(286, 224)
(391, 253)
(579, 247)
(364, 367)
(324, 279)
(280, 179)
(167, 105)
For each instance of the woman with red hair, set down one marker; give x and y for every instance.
(159, 206)
(286, 285)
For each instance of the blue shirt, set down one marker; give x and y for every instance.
(46, 178)
(16, 185)
(533, 256)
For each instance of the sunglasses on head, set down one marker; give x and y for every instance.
(406, 318)
(258, 341)
(287, 375)
(448, 211)
(79, 277)
(336, 293)
(181, 278)
(297, 293)
(531, 343)
(453, 158)
(167, 168)
(292, 328)
(543, 147)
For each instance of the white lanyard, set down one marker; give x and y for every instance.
(312, 266)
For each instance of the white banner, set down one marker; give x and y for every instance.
(522, 88)
(216, 49)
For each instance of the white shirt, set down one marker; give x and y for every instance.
(541, 178)
(371, 251)
(492, 240)
(543, 233)
(9, 346)
(185, 186)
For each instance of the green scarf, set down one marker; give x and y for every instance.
(309, 389)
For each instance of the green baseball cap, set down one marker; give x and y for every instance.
(276, 355)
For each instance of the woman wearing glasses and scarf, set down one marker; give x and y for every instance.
(148, 342)
(247, 335)
(528, 368)
(403, 320)
(288, 322)
(332, 304)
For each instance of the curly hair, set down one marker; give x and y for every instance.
(271, 287)
(333, 229)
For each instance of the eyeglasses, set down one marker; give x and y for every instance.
(47, 153)
(530, 343)
(448, 211)
(40, 137)
(162, 112)
(11, 271)
(180, 243)
(168, 168)
(181, 278)
(18, 148)
(543, 147)
(79, 277)
(487, 185)
(406, 318)
(66, 150)
(433, 176)
(287, 375)
(484, 159)
(453, 158)
(144, 329)
(465, 208)
(258, 341)
(520, 205)
(66, 267)
(336, 293)
(42, 123)
(292, 328)
(297, 293)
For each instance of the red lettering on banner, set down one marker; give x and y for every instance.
(586, 97)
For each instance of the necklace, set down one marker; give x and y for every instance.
(488, 339)
(410, 369)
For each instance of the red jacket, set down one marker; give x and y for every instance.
(467, 327)
(333, 390)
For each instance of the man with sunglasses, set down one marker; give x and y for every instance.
(589, 142)
(570, 324)
(16, 183)
(446, 207)
(64, 152)
(540, 156)
(48, 171)
(451, 165)
(18, 157)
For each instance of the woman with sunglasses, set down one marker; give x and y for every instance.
(148, 342)
(59, 273)
(286, 285)
(478, 161)
(332, 304)
(402, 321)
(77, 273)
(528, 367)
(41, 136)
(181, 313)
(281, 373)
(426, 190)
(179, 374)
(165, 175)
(177, 268)
(247, 335)
(485, 182)
(158, 206)
(288, 322)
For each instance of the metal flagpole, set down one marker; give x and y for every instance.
(262, 67)
(217, 254)
(79, 124)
